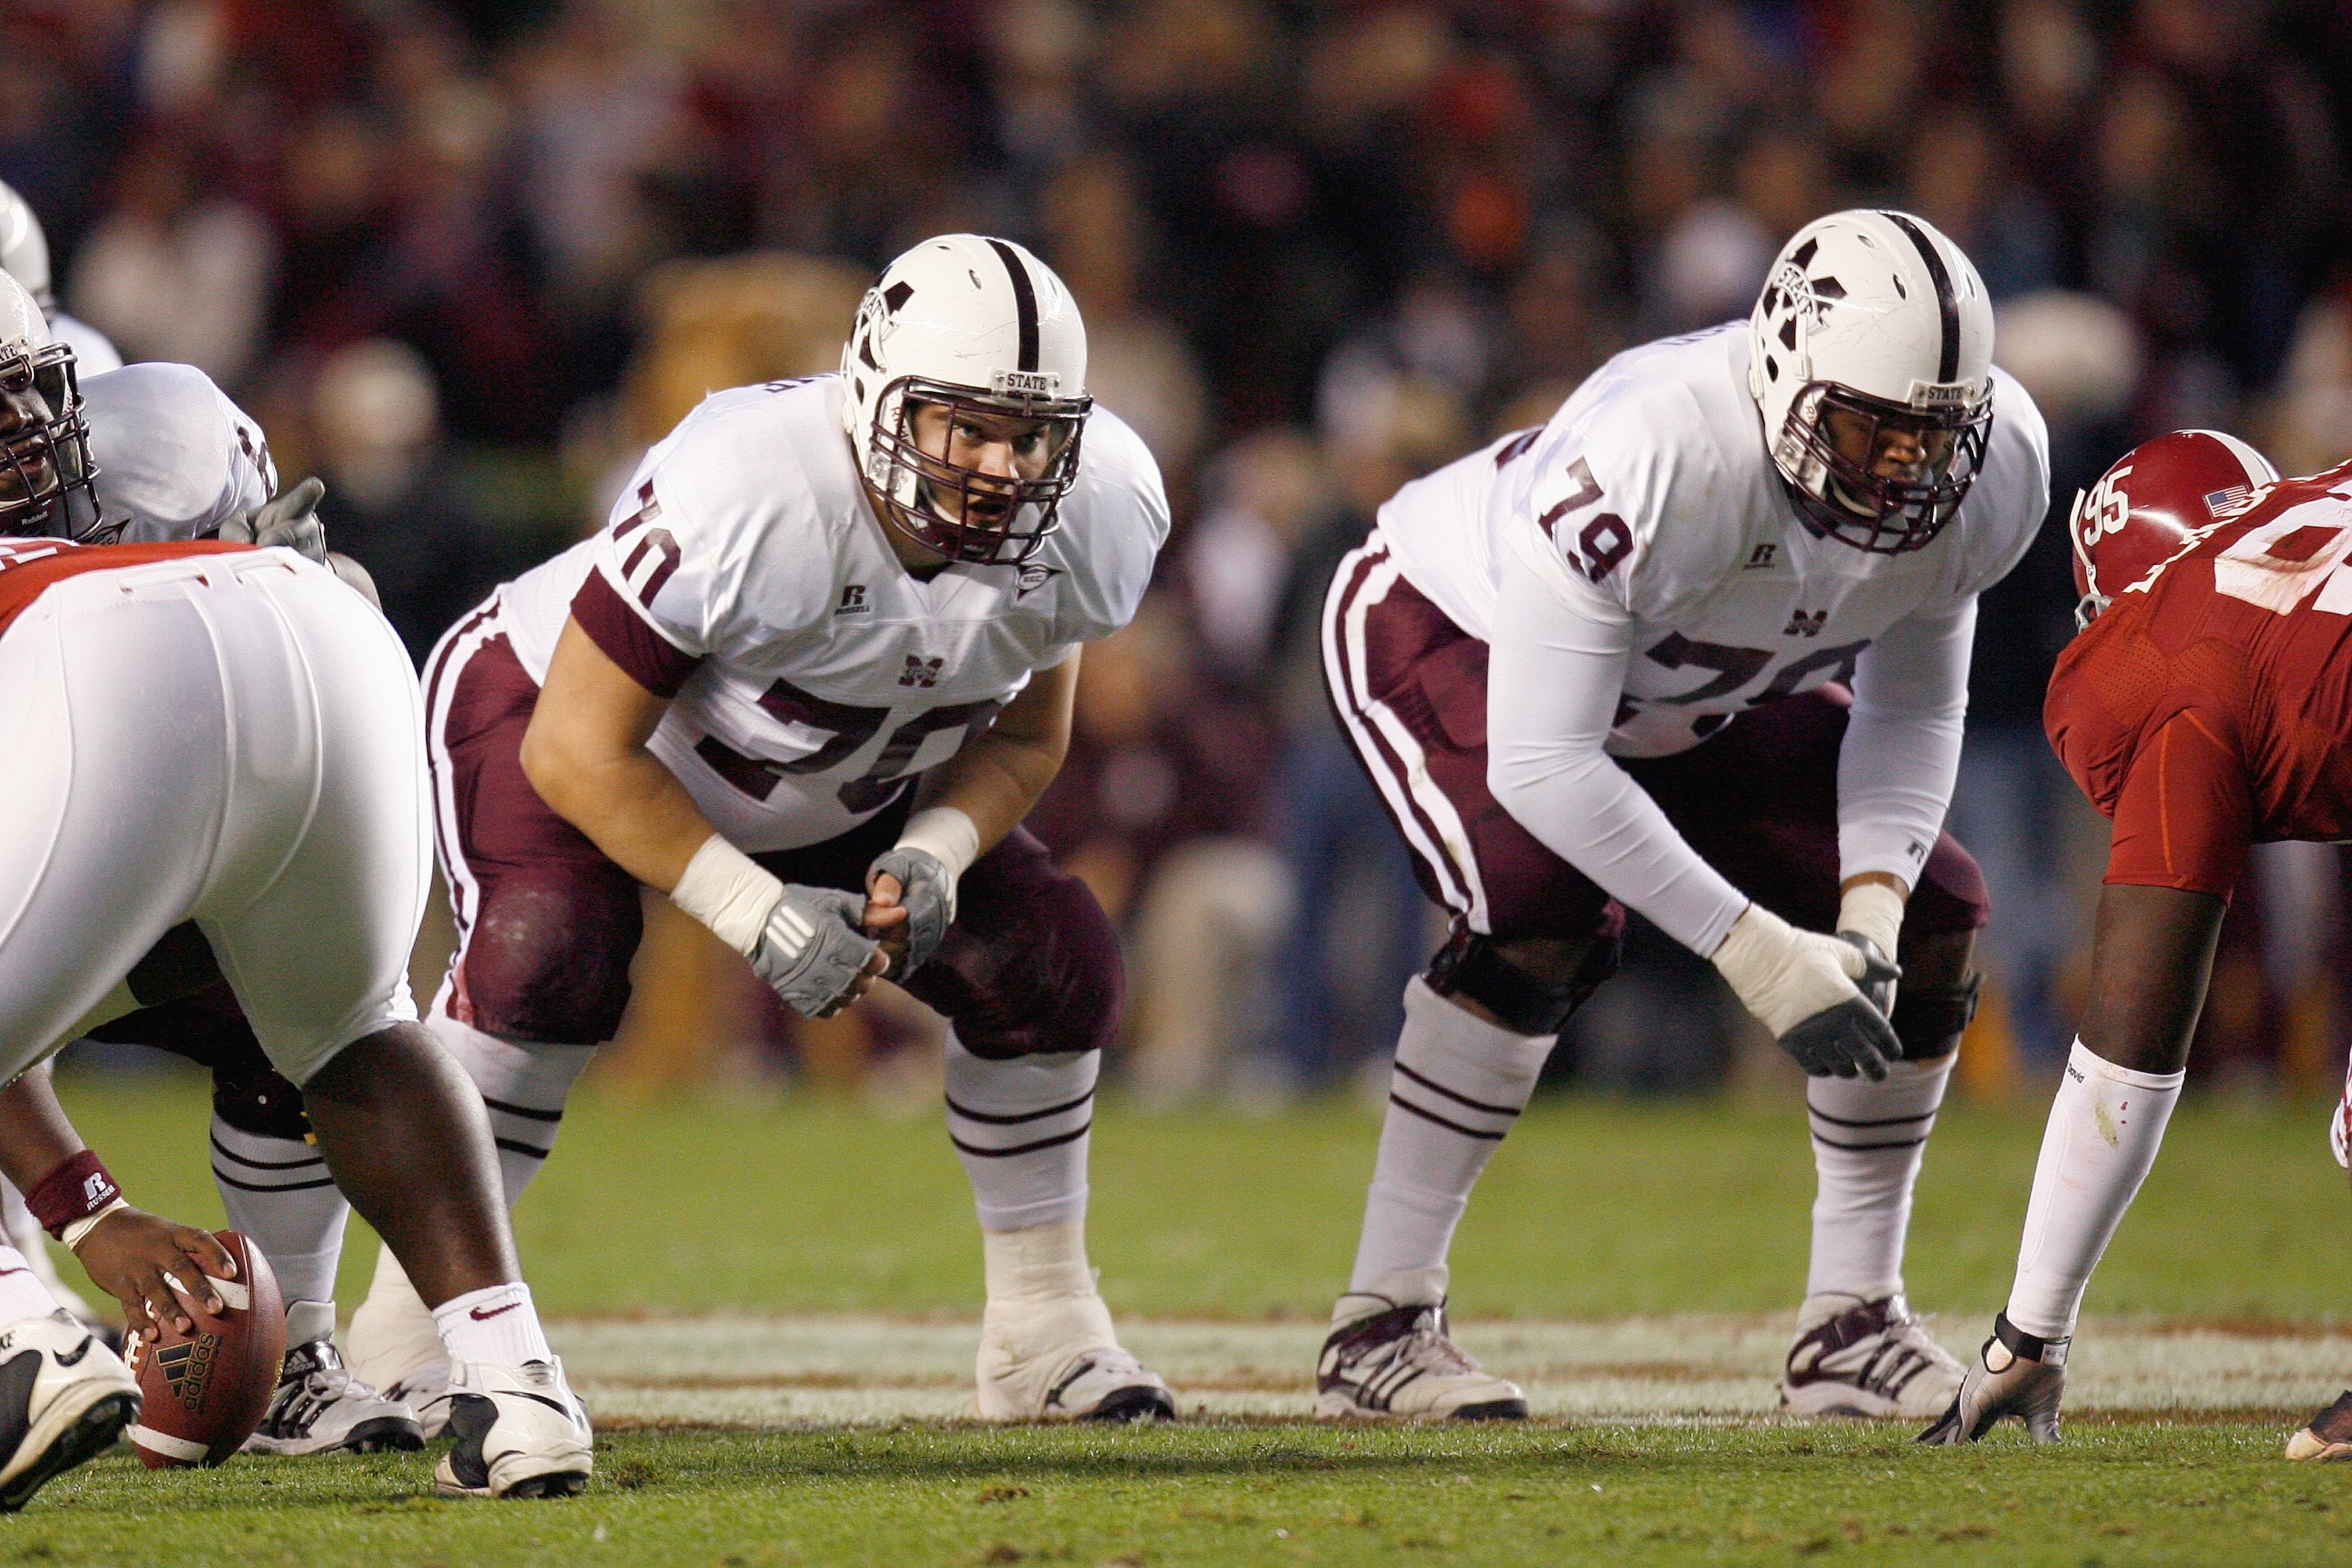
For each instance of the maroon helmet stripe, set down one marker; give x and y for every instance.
(1948, 304)
(1024, 302)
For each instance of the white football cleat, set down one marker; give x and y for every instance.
(1390, 1358)
(2027, 1383)
(320, 1408)
(1854, 1357)
(2326, 1436)
(64, 1398)
(1058, 1358)
(520, 1434)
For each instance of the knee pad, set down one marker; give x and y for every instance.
(1472, 966)
(548, 956)
(1929, 1019)
(1029, 975)
(209, 1029)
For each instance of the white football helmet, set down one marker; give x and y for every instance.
(970, 323)
(1874, 334)
(25, 249)
(45, 473)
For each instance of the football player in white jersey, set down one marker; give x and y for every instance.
(200, 732)
(1699, 647)
(168, 457)
(807, 683)
(25, 256)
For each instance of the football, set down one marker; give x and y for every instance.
(204, 1391)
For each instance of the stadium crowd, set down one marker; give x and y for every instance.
(465, 259)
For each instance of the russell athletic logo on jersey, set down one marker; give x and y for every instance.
(854, 601)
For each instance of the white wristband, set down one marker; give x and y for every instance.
(945, 834)
(726, 890)
(72, 1234)
(1873, 910)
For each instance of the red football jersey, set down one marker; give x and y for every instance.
(2211, 706)
(29, 565)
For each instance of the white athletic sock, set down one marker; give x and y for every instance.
(1019, 1127)
(278, 1192)
(22, 1294)
(524, 1086)
(498, 1326)
(1868, 1141)
(2105, 1128)
(20, 1230)
(1458, 1085)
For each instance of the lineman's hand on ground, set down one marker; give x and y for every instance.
(139, 1258)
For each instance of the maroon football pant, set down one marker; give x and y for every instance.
(547, 924)
(1758, 800)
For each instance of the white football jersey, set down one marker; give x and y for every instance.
(1652, 489)
(817, 675)
(175, 457)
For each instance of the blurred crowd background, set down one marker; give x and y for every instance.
(465, 259)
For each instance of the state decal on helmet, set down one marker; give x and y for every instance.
(1870, 358)
(45, 473)
(979, 325)
(2155, 501)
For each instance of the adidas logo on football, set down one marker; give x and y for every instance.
(924, 672)
(187, 1368)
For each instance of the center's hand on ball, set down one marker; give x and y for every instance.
(150, 1264)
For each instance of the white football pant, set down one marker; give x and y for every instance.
(236, 739)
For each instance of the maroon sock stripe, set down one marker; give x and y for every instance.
(1403, 1104)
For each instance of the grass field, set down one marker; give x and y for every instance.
(807, 1275)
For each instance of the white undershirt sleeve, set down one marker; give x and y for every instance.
(1902, 745)
(1556, 674)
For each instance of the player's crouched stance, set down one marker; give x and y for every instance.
(1698, 646)
(807, 683)
(2202, 707)
(206, 731)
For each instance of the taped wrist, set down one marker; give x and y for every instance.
(946, 835)
(726, 890)
(1873, 910)
(79, 1189)
(1784, 975)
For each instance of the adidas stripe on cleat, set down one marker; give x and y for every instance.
(1391, 1359)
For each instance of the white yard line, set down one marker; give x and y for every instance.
(772, 1371)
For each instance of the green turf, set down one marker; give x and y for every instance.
(1592, 1209)
(2112, 1495)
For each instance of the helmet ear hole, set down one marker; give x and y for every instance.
(1771, 368)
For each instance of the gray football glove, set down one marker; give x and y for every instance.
(1841, 1041)
(812, 951)
(1878, 976)
(2029, 1385)
(929, 897)
(289, 519)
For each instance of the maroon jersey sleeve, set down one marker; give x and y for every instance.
(2185, 813)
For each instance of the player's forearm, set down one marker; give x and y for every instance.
(995, 780)
(1554, 679)
(1901, 756)
(630, 805)
(36, 1134)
